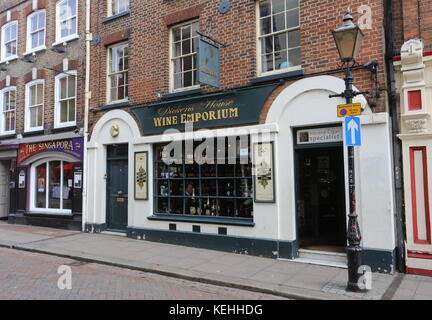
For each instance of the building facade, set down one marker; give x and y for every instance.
(413, 76)
(198, 186)
(41, 98)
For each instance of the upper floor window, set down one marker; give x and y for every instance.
(184, 56)
(65, 99)
(36, 31)
(118, 6)
(118, 72)
(279, 35)
(8, 107)
(66, 26)
(9, 41)
(34, 105)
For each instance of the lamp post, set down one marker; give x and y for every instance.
(348, 40)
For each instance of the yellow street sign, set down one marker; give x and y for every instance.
(349, 110)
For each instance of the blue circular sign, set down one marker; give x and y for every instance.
(224, 6)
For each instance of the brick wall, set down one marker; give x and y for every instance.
(48, 63)
(149, 23)
(412, 20)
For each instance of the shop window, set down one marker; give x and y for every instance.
(53, 186)
(220, 187)
(118, 83)
(66, 23)
(118, 6)
(34, 105)
(8, 107)
(184, 56)
(36, 31)
(279, 36)
(9, 41)
(65, 99)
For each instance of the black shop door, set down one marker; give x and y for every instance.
(320, 198)
(117, 188)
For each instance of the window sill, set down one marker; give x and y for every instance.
(7, 135)
(204, 219)
(9, 59)
(115, 16)
(277, 76)
(36, 50)
(182, 93)
(68, 39)
(64, 128)
(33, 132)
(115, 105)
(50, 213)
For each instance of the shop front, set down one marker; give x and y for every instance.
(231, 171)
(48, 184)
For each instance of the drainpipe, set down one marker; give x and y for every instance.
(88, 39)
(397, 147)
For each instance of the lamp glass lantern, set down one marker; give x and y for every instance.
(349, 39)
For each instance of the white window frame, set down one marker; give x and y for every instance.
(27, 106)
(57, 112)
(171, 59)
(29, 48)
(3, 44)
(109, 74)
(33, 188)
(2, 114)
(73, 36)
(111, 6)
(260, 73)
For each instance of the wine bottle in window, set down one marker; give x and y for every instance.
(207, 208)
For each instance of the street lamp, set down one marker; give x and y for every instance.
(348, 40)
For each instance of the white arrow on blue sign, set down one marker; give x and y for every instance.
(352, 131)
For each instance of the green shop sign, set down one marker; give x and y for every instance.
(236, 107)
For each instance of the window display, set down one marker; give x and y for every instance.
(219, 188)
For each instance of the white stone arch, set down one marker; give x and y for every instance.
(97, 161)
(316, 87)
(128, 129)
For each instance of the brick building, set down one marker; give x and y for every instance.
(41, 93)
(412, 65)
(278, 65)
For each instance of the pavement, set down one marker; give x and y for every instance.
(284, 278)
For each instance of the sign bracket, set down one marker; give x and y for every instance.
(212, 39)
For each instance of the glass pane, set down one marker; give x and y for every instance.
(279, 22)
(71, 110)
(265, 25)
(113, 95)
(186, 32)
(192, 206)
(195, 28)
(177, 65)
(39, 94)
(267, 62)
(187, 63)
(267, 44)
(226, 207)
(278, 6)
(34, 23)
(292, 18)
(176, 205)
(280, 42)
(177, 49)
(291, 4)
(244, 208)
(40, 186)
(265, 8)
(162, 205)
(186, 47)
(281, 61)
(178, 83)
(209, 187)
(72, 6)
(67, 185)
(63, 87)
(294, 57)
(192, 188)
(71, 86)
(39, 116)
(244, 188)
(63, 111)
(41, 20)
(294, 39)
(176, 34)
(187, 79)
(176, 188)
(55, 188)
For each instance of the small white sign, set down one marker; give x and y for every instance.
(320, 135)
